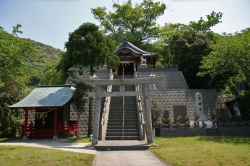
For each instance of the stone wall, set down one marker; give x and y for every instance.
(173, 91)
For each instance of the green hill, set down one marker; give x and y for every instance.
(45, 57)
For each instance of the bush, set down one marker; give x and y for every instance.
(10, 120)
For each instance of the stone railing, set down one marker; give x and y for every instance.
(140, 112)
(105, 114)
(190, 124)
(140, 115)
(233, 123)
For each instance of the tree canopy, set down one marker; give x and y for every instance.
(136, 23)
(228, 62)
(13, 51)
(14, 76)
(86, 46)
(188, 44)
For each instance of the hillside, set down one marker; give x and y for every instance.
(46, 55)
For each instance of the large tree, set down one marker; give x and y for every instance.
(136, 23)
(13, 78)
(188, 44)
(228, 63)
(13, 51)
(86, 46)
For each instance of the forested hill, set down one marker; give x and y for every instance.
(46, 56)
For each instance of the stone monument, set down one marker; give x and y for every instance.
(199, 107)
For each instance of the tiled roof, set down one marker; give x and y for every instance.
(126, 46)
(46, 96)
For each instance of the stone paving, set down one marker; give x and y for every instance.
(102, 158)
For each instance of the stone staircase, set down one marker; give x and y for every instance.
(115, 128)
(212, 132)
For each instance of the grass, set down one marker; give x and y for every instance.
(17, 155)
(203, 150)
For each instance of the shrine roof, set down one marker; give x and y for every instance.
(126, 47)
(46, 96)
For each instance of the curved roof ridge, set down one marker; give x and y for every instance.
(127, 45)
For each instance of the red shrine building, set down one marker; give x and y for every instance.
(47, 112)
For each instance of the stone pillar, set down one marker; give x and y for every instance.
(97, 114)
(147, 114)
(199, 107)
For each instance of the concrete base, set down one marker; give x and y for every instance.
(55, 137)
(122, 145)
(235, 131)
(174, 132)
(143, 66)
(25, 138)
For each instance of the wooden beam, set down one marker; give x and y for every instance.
(134, 81)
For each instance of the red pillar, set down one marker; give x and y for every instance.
(55, 124)
(25, 124)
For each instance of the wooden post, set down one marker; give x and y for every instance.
(97, 114)
(55, 124)
(25, 125)
(147, 114)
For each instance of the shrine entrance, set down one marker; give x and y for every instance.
(127, 67)
(100, 92)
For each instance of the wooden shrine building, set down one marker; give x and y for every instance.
(133, 56)
(47, 112)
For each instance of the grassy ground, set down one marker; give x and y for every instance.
(16, 155)
(203, 150)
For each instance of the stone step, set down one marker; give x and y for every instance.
(125, 119)
(212, 132)
(122, 138)
(120, 127)
(121, 145)
(125, 130)
(122, 134)
(132, 124)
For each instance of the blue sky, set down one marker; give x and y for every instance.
(50, 21)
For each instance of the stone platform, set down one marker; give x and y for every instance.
(122, 145)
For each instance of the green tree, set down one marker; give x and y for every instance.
(86, 46)
(52, 75)
(156, 111)
(137, 24)
(79, 97)
(13, 51)
(13, 78)
(203, 26)
(228, 63)
(10, 120)
(188, 44)
(113, 62)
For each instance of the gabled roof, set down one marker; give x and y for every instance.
(126, 47)
(46, 96)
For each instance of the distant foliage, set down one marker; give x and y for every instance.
(43, 64)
